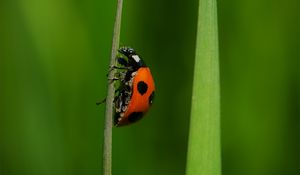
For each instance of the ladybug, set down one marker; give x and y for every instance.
(135, 92)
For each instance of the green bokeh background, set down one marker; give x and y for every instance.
(54, 58)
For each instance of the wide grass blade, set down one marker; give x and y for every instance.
(204, 137)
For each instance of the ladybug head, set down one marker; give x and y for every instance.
(133, 59)
(127, 51)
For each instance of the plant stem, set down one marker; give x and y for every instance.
(107, 140)
(204, 138)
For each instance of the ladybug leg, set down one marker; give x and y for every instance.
(111, 80)
(121, 76)
(100, 102)
(118, 76)
(112, 68)
(118, 68)
(123, 62)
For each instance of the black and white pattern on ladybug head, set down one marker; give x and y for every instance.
(134, 60)
(127, 51)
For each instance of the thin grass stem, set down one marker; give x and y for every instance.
(107, 139)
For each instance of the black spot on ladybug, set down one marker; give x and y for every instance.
(135, 116)
(142, 87)
(151, 97)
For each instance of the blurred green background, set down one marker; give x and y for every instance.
(53, 62)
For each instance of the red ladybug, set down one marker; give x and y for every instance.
(136, 88)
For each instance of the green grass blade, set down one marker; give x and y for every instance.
(204, 137)
(107, 139)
